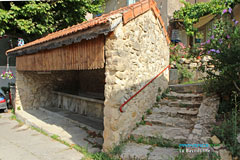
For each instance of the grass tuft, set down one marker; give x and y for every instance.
(39, 130)
(13, 117)
(154, 141)
(114, 154)
(149, 111)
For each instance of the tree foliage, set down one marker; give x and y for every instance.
(191, 13)
(36, 18)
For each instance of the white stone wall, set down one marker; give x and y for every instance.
(135, 54)
(33, 90)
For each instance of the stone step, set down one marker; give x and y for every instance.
(187, 88)
(142, 152)
(169, 121)
(185, 96)
(175, 134)
(176, 111)
(180, 103)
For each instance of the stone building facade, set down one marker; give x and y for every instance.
(134, 50)
(166, 7)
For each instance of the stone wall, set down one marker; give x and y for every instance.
(173, 5)
(80, 104)
(163, 7)
(33, 90)
(176, 77)
(191, 65)
(206, 118)
(135, 54)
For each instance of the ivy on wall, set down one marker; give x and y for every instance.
(191, 13)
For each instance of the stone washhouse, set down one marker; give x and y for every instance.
(92, 68)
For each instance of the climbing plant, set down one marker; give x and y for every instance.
(191, 13)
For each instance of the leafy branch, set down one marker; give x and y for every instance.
(37, 18)
(191, 13)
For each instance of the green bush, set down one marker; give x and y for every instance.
(228, 130)
(226, 133)
(224, 48)
(183, 72)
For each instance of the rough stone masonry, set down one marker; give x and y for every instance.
(135, 53)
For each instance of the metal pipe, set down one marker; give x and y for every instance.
(121, 107)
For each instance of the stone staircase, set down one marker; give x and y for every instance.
(172, 120)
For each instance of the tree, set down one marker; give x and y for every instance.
(34, 19)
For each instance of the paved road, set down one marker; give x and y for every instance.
(19, 142)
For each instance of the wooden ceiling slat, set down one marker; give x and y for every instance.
(88, 54)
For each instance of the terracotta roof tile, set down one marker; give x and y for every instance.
(129, 13)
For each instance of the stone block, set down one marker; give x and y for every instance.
(135, 151)
(121, 75)
(182, 60)
(225, 154)
(173, 76)
(215, 140)
(163, 153)
(192, 65)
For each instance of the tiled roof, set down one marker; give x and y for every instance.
(129, 13)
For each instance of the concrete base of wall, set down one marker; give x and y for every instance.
(78, 104)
